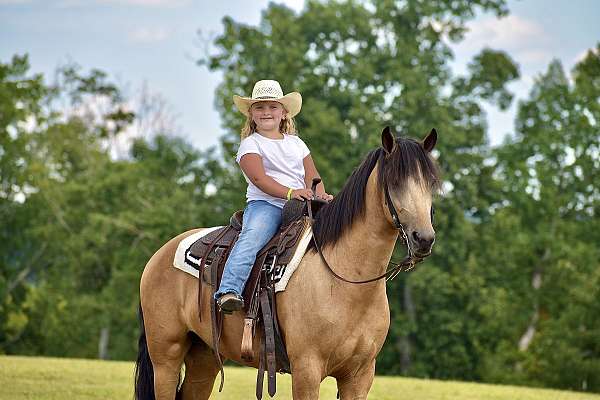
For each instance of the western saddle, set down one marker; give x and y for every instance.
(259, 293)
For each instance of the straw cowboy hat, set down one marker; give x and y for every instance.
(269, 90)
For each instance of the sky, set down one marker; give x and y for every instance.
(157, 42)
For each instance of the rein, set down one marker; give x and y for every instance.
(407, 264)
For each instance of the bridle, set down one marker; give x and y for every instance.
(407, 264)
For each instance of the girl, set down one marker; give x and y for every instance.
(278, 167)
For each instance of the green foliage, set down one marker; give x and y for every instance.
(548, 173)
(81, 224)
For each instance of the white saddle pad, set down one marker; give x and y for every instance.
(190, 264)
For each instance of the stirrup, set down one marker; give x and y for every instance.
(230, 302)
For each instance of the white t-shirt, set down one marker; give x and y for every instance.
(282, 160)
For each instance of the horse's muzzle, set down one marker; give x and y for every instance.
(422, 244)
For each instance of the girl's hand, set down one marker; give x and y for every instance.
(302, 194)
(325, 196)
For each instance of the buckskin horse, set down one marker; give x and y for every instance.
(332, 326)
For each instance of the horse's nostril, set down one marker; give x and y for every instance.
(423, 242)
(415, 236)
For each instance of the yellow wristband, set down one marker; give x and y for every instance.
(289, 194)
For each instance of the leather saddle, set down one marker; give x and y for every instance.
(259, 293)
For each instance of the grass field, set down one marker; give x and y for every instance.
(58, 379)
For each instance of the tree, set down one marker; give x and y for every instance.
(548, 173)
(21, 98)
(82, 223)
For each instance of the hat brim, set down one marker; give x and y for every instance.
(292, 102)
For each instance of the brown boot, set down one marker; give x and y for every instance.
(230, 302)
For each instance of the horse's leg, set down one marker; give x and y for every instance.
(355, 386)
(306, 378)
(168, 342)
(200, 372)
(167, 359)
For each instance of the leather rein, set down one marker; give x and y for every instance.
(407, 264)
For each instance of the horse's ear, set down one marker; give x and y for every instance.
(387, 140)
(430, 140)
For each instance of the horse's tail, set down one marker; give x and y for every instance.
(144, 373)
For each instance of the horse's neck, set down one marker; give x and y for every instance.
(365, 249)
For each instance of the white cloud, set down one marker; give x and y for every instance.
(511, 31)
(148, 35)
(525, 40)
(296, 5)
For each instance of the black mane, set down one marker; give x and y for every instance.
(408, 160)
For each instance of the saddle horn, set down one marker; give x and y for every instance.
(315, 182)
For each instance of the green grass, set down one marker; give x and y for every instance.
(58, 379)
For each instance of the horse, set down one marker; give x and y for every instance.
(331, 327)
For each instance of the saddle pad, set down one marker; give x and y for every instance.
(190, 264)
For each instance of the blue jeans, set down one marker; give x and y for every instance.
(261, 222)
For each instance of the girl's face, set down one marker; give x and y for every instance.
(267, 115)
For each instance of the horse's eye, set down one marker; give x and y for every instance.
(432, 212)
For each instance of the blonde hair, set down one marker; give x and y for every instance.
(287, 125)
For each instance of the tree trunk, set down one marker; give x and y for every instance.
(27, 270)
(404, 341)
(536, 283)
(103, 343)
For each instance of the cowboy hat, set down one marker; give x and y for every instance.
(269, 90)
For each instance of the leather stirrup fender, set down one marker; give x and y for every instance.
(269, 341)
(216, 322)
(202, 264)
